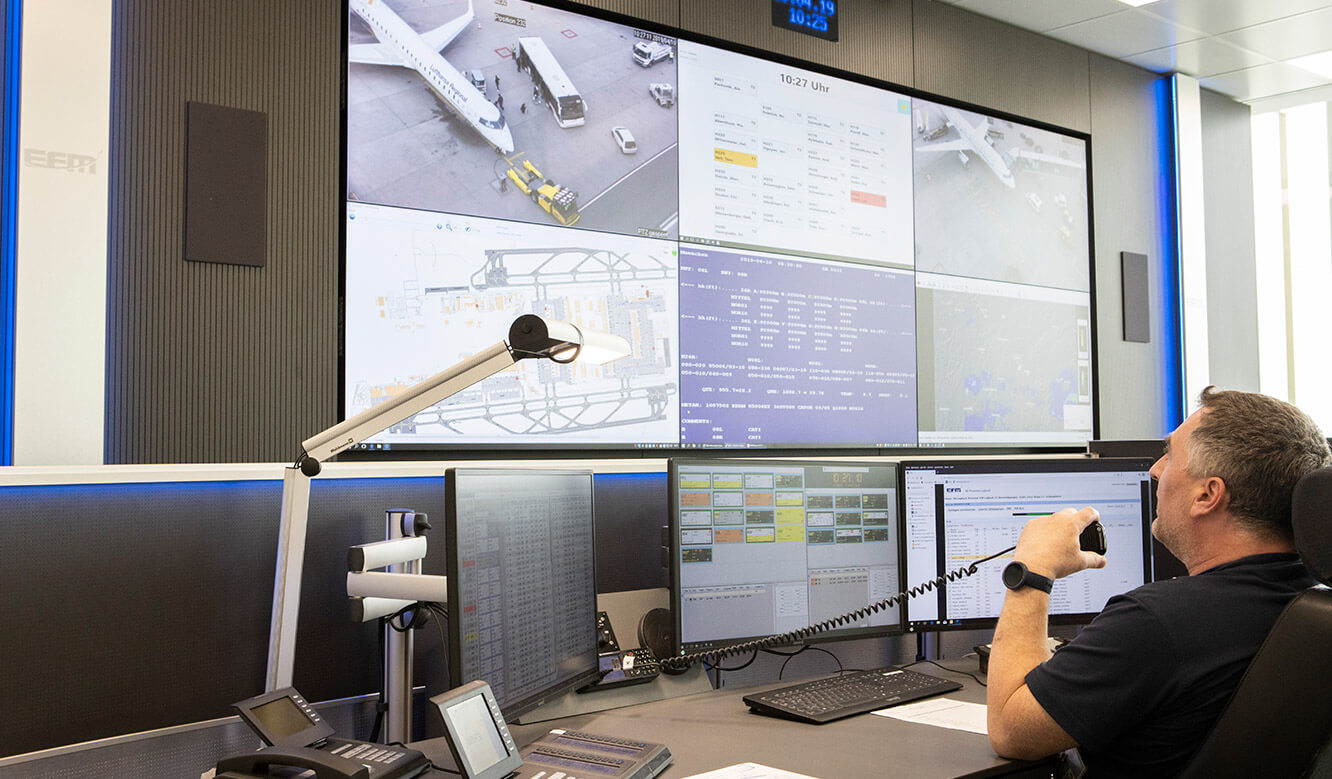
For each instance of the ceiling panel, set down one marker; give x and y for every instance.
(1125, 33)
(1262, 81)
(1235, 47)
(1217, 16)
(1283, 39)
(1203, 57)
(1042, 15)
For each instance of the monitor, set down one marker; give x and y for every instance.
(957, 511)
(779, 242)
(522, 582)
(762, 547)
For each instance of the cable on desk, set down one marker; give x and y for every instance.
(950, 670)
(745, 664)
(802, 650)
(799, 635)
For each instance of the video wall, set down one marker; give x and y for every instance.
(797, 259)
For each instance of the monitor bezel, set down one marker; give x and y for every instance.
(374, 451)
(578, 679)
(681, 647)
(1009, 464)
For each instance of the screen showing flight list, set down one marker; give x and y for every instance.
(797, 258)
(960, 511)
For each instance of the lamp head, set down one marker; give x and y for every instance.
(562, 342)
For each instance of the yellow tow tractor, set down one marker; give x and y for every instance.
(560, 202)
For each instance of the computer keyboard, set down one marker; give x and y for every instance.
(855, 692)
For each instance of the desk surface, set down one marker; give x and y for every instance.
(715, 729)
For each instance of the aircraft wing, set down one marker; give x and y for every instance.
(373, 54)
(444, 34)
(956, 145)
(1048, 158)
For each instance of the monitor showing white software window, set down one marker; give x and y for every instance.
(958, 511)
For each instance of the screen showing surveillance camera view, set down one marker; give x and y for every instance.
(796, 259)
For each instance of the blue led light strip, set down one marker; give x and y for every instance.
(1172, 287)
(10, 50)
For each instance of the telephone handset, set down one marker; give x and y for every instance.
(1092, 539)
(325, 765)
(298, 737)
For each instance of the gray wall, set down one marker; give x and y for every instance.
(217, 363)
(1232, 304)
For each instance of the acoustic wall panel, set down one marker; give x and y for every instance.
(665, 12)
(206, 362)
(874, 35)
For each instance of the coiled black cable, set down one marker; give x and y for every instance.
(715, 656)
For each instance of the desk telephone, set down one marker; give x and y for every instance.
(620, 667)
(298, 738)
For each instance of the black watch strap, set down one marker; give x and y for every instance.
(1017, 576)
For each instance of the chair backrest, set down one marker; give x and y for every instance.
(1279, 720)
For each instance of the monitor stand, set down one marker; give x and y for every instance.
(625, 609)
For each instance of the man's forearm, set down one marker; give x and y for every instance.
(1019, 645)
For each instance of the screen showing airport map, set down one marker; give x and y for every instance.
(797, 259)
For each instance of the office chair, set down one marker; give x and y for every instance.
(1279, 721)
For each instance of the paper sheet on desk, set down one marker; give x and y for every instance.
(942, 713)
(749, 771)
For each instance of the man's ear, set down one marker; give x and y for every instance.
(1212, 496)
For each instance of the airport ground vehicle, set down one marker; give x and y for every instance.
(663, 93)
(560, 202)
(550, 84)
(649, 53)
(625, 140)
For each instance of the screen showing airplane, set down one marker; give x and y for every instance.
(797, 259)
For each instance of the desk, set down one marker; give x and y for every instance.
(715, 729)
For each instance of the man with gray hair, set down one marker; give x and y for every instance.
(1140, 687)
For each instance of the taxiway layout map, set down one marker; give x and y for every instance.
(443, 288)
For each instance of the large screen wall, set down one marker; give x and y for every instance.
(798, 259)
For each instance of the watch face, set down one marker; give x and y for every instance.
(1013, 573)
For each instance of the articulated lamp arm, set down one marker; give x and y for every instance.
(529, 336)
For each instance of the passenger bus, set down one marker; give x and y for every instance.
(550, 84)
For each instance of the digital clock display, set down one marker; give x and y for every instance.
(812, 17)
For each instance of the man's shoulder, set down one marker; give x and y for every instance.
(1262, 582)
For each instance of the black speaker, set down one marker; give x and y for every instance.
(656, 631)
(226, 185)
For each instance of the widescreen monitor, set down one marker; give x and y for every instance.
(761, 547)
(957, 511)
(522, 582)
(800, 258)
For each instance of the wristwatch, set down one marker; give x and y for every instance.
(1017, 576)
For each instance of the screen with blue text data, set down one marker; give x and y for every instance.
(799, 258)
(761, 547)
(958, 511)
(522, 582)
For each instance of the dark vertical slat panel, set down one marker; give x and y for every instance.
(877, 44)
(665, 12)
(219, 364)
(991, 64)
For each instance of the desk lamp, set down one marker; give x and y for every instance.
(529, 336)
